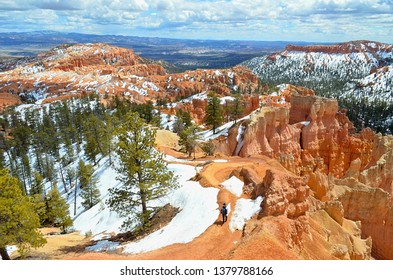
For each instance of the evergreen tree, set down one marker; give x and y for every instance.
(2, 159)
(214, 112)
(107, 137)
(237, 108)
(88, 181)
(57, 211)
(37, 186)
(142, 171)
(91, 148)
(183, 121)
(70, 176)
(18, 220)
(189, 139)
(208, 148)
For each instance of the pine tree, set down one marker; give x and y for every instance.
(88, 181)
(189, 139)
(18, 220)
(70, 175)
(237, 108)
(57, 211)
(37, 186)
(142, 171)
(208, 148)
(183, 121)
(214, 112)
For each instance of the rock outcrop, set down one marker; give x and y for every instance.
(293, 224)
(346, 175)
(373, 208)
(75, 70)
(284, 195)
(311, 134)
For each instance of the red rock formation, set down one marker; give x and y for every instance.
(73, 70)
(292, 219)
(7, 99)
(311, 134)
(313, 138)
(283, 195)
(373, 208)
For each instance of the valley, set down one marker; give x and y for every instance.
(302, 181)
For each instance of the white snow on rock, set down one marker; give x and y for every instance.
(11, 249)
(239, 139)
(103, 245)
(234, 185)
(198, 211)
(244, 210)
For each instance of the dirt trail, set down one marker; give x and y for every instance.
(217, 242)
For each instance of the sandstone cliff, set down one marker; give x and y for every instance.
(345, 177)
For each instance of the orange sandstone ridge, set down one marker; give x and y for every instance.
(344, 176)
(77, 70)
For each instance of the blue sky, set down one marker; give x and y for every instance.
(291, 20)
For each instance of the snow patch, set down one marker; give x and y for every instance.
(103, 245)
(234, 185)
(198, 211)
(239, 139)
(244, 210)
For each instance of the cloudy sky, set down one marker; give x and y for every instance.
(290, 20)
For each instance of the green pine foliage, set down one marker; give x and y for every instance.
(208, 148)
(236, 108)
(88, 181)
(57, 211)
(37, 186)
(189, 139)
(32, 145)
(18, 219)
(214, 112)
(183, 121)
(142, 171)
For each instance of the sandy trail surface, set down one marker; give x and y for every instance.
(217, 242)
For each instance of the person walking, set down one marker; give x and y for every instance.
(224, 213)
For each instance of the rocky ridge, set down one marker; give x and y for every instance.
(358, 74)
(81, 69)
(334, 171)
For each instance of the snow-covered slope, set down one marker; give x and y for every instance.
(319, 64)
(355, 72)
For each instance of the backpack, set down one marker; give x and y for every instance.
(224, 210)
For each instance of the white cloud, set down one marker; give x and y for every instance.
(232, 19)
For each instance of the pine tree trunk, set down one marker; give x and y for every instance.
(4, 254)
(62, 178)
(76, 187)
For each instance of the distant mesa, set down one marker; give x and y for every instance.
(344, 48)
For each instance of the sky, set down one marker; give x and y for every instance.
(262, 20)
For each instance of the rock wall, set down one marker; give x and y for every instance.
(311, 134)
(347, 175)
(373, 208)
(294, 225)
(283, 195)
